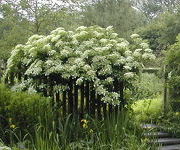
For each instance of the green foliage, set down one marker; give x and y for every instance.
(112, 133)
(16, 27)
(149, 85)
(148, 110)
(12, 30)
(20, 111)
(154, 8)
(119, 13)
(173, 68)
(162, 31)
(170, 122)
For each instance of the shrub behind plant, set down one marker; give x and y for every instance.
(20, 110)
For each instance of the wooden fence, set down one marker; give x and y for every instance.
(77, 99)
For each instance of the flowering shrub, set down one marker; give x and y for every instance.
(92, 54)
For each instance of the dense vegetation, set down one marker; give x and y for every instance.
(173, 68)
(52, 50)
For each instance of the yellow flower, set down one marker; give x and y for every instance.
(177, 113)
(84, 121)
(12, 126)
(91, 131)
(85, 125)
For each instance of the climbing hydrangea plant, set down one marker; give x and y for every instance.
(87, 54)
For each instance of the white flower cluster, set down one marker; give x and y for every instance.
(88, 54)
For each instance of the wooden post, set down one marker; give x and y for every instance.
(64, 103)
(75, 98)
(82, 99)
(116, 89)
(110, 110)
(87, 96)
(70, 97)
(57, 100)
(104, 109)
(11, 78)
(121, 92)
(19, 75)
(92, 100)
(99, 115)
(165, 91)
(45, 81)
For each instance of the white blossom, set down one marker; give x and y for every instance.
(133, 36)
(109, 28)
(129, 75)
(81, 28)
(127, 67)
(144, 45)
(79, 81)
(128, 53)
(88, 53)
(147, 50)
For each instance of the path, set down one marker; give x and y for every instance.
(157, 136)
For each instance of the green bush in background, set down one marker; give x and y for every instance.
(148, 110)
(20, 110)
(173, 69)
(149, 85)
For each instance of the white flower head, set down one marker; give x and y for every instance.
(81, 28)
(79, 81)
(147, 50)
(109, 28)
(114, 35)
(129, 59)
(129, 75)
(103, 41)
(47, 47)
(122, 45)
(134, 36)
(128, 53)
(83, 33)
(97, 34)
(59, 43)
(52, 52)
(55, 38)
(144, 45)
(137, 54)
(127, 67)
(109, 80)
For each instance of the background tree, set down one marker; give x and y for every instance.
(20, 19)
(162, 31)
(153, 8)
(13, 29)
(120, 14)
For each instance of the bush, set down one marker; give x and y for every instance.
(148, 110)
(20, 110)
(148, 86)
(173, 68)
(170, 122)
